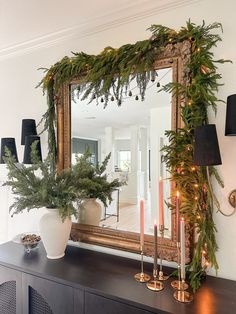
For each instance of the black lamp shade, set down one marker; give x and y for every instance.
(206, 146)
(230, 123)
(28, 128)
(10, 143)
(29, 140)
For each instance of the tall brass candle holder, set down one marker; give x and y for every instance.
(179, 284)
(142, 277)
(181, 294)
(161, 275)
(155, 284)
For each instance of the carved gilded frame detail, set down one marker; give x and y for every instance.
(178, 57)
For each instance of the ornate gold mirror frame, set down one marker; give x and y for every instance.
(176, 56)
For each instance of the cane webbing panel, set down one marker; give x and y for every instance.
(8, 297)
(37, 304)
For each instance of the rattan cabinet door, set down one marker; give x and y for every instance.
(10, 291)
(43, 296)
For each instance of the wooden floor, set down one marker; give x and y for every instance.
(129, 219)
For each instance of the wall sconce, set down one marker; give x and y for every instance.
(206, 146)
(230, 123)
(28, 128)
(207, 153)
(29, 140)
(28, 136)
(10, 143)
(230, 130)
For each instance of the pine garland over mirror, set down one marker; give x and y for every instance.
(113, 70)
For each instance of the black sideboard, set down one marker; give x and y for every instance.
(88, 282)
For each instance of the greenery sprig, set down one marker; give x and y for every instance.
(39, 185)
(92, 181)
(112, 71)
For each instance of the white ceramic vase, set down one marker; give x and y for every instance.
(90, 212)
(54, 233)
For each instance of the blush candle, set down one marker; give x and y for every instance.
(155, 248)
(177, 217)
(161, 208)
(182, 248)
(142, 224)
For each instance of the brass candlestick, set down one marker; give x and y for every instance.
(155, 285)
(161, 275)
(179, 284)
(183, 296)
(142, 277)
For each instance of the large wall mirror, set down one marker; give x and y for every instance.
(134, 133)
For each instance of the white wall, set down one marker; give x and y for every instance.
(19, 98)
(160, 120)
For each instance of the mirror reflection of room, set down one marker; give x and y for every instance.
(134, 133)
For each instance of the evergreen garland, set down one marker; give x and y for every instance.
(114, 69)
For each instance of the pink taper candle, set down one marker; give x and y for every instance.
(155, 247)
(141, 224)
(161, 208)
(177, 218)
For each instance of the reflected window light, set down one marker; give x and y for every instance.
(74, 156)
(92, 159)
(124, 160)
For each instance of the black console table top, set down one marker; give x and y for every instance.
(112, 277)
